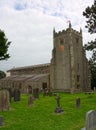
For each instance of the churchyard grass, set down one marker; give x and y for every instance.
(41, 116)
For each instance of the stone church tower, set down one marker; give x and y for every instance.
(69, 67)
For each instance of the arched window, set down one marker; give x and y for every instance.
(61, 42)
(61, 48)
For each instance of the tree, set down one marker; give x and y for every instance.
(2, 74)
(4, 45)
(90, 14)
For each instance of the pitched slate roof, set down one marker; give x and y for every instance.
(30, 67)
(34, 77)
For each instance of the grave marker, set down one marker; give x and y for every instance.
(30, 100)
(36, 93)
(90, 120)
(58, 108)
(78, 103)
(1, 120)
(16, 95)
(4, 100)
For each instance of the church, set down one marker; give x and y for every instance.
(68, 70)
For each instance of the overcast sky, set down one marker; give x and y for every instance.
(29, 24)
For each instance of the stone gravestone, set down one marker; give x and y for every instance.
(36, 93)
(16, 95)
(58, 108)
(1, 120)
(78, 103)
(4, 100)
(30, 100)
(90, 120)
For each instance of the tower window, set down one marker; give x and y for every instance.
(61, 47)
(77, 40)
(78, 78)
(78, 81)
(61, 41)
(78, 67)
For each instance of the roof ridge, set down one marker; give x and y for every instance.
(32, 66)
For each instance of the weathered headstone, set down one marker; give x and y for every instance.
(16, 95)
(36, 93)
(30, 100)
(78, 103)
(90, 120)
(58, 108)
(4, 100)
(1, 120)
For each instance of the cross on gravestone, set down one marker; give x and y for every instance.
(1, 120)
(58, 108)
(78, 103)
(16, 95)
(58, 100)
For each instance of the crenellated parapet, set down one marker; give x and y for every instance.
(68, 30)
(56, 34)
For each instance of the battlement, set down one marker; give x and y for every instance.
(68, 30)
(56, 34)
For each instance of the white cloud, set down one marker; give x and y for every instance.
(29, 25)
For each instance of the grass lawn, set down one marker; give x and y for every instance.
(41, 115)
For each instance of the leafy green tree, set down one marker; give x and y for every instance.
(2, 74)
(4, 45)
(90, 14)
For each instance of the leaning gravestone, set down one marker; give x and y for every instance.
(1, 120)
(36, 93)
(16, 95)
(90, 120)
(4, 100)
